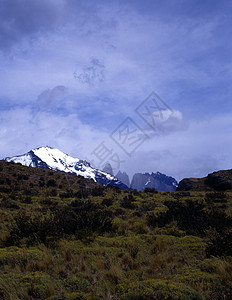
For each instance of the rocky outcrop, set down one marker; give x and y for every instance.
(188, 184)
(217, 181)
(157, 181)
(123, 177)
(220, 181)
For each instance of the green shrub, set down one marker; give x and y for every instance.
(79, 216)
(10, 289)
(157, 290)
(39, 285)
(51, 182)
(192, 217)
(16, 256)
(74, 283)
(220, 245)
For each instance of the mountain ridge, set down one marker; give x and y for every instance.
(47, 157)
(158, 181)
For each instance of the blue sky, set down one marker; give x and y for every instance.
(72, 71)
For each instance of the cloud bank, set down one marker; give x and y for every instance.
(72, 71)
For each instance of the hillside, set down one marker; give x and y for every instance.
(63, 236)
(216, 181)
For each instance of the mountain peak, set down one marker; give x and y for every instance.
(159, 181)
(50, 158)
(108, 168)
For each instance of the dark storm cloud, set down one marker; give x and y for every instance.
(21, 19)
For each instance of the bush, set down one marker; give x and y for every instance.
(41, 183)
(215, 197)
(98, 191)
(23, 177)
(126, 202)
(107, 202)
(8, 181)
(31, 192)
(8, 203)
(150, 190)
(39, 285)
(10, 290)
(51, 182)
(82, 193)
(67, 220)
(157, 290)
(220, 245)
(27, 200)
(192, 217)
(67, 194)
(5, 189)
(53, 193)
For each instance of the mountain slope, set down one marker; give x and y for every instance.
(218, 181)
(50, 158)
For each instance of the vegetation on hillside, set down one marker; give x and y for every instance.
(66, 237)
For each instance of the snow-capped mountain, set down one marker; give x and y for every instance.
(50, 158)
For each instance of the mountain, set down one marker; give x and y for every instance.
(50, 158)
(158, 181)
(217, 181)
(108, 169)
(123, 177)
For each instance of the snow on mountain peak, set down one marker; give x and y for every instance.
(51, 158)
(55, 158)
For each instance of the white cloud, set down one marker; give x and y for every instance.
(135, 53)
(203, 147)
(22, 130)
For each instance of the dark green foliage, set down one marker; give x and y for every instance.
(5, 189)
(107, 202)
(157, 290)
(47, 201)
(51, 182)
(8, 181)
(41, 183)
(31, 191)
(67, 194)
(215, 197)
(23, 177)
(62, 221)
(126, 202)
(116, 189)
(98, 191)
(192, 217)
(220, 245)
(53, 193)
(150, 190)
(8, 203)
(222, 293)
(27, 200)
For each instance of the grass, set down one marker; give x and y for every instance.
(66, 237)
